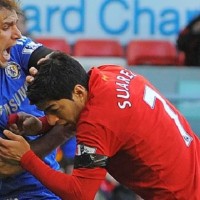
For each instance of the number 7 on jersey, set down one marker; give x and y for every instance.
(150, 97)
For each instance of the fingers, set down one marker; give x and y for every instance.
(6, 146)
(23, 115)
(14, 128)
(16, 121)
(11, 135)
(45, 58)
(33, 71)
(32, 126)
(14, 147)
(41, 60)
(25, 124)
(30, 78)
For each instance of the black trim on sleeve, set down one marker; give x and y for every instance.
(90, 161)
(39, 53)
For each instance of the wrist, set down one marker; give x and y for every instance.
(13, 118)
(45, 125)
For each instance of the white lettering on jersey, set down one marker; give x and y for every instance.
(13, 104)
(30, 47)
(123, 94)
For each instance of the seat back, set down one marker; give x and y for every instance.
(98, 47)
(55, 43)
(151, 52)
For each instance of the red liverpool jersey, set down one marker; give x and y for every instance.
(150, 145)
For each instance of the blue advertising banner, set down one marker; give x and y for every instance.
(118, 19)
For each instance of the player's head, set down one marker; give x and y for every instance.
(60, 88)
(9, 32)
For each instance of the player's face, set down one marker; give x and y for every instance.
(9, 33)
(64, 111)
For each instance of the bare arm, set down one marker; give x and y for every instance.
(41, 146)
(49, 141)
(51, 137)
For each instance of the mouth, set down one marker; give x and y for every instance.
(6, 54)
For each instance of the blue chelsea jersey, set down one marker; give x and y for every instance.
(13, 99)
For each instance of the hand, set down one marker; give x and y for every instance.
(33, 71)
(12, 150)
(30, 78)
(24, 124)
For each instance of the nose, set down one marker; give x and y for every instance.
(52, 119)
(16, 33)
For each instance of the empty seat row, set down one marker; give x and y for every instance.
(147, 52)
(137, 52)
(55, 43)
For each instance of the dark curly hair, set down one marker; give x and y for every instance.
(56, 78)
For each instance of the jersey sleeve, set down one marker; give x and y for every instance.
(97, 141)
(65, 186)
(96, 133)
(23, 50)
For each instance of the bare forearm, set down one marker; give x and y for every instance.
(42, 147)
(49, 141)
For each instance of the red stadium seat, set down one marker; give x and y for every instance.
(98, 48)
(55, 43)
(151, 52)
(181, 58)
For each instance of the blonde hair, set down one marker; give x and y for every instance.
(10, 5)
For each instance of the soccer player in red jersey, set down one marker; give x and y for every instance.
(123, 125)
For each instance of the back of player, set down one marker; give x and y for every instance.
(150, 145)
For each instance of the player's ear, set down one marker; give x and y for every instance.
(79, 92)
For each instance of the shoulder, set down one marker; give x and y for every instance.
(22, 51)
(26, 45)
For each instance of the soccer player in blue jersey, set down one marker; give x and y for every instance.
(17, 55)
